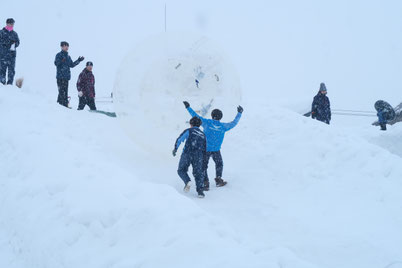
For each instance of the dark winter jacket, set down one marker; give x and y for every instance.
(321, 108)
(63, 63)
(86, 83)
(196, 142)
(6, 40)
(384, 110)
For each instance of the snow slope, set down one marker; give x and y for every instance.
(76, 192)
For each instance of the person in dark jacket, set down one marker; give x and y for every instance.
(63, 63)
(194, 154)
(9, 41)
(86, 87)
(321, 108)
(385, 113)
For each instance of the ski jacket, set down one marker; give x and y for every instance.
(215, 130)
(385, 110)
(7, 39)
(86, 83)
(196, 141)
(321, 108)
(63, 63)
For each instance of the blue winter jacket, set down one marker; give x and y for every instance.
(63, 63)
(6, 40)
(195, 141)
(215, 130)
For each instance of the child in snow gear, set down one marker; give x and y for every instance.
(321, 108)
(215, 133)
(86, 88)
(63, 63)
(9, 41)
(385, 113)
(193, 154)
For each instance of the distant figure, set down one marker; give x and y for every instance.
(9, 41)
(63, 63)
(385, 113)
(321, 108)
(194, 153)
(86, 87)
(215, 132)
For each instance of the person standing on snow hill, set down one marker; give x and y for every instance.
(9, 41)
(86, 87)
(215, 132)
(321, 108)
(63, 63)
(194, 153)
(385, 113)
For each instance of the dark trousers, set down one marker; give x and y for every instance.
(217, 157)
(84, 100)
(62, 85)
(197, 162)
(7, 63)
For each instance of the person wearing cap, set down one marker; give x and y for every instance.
(321, 107)
(9, 41)
(63, 63)
(86, 88)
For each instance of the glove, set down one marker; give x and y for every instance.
(81, 58)
(174, 152)
(240, 109)
(80, 94)
(186, 104)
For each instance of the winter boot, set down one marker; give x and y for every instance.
(220, 182)
(383, 127)
(201, 194)
(186, 188)
(206, 185)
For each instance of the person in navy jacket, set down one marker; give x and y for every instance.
(9, 41)
(321, 107)
(194, 154)
(63, 63)
(215, 132)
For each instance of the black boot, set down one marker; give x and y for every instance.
(220, 182)
(206, 185)
(201, 194)
(383, 127)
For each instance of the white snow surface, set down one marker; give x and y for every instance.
(77, 191)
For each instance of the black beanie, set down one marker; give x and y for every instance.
(323, 87)
(90, 63)
(10, 21)
(64, 43)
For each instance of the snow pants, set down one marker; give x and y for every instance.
(7, 63)
(196, 160)
(217, 157)
(381, 118)
(62, 85)
(84, 100)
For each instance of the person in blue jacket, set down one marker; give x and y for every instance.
(9, 41)
(215, 131)
(63, 63)
(321, 107)
(194, 153)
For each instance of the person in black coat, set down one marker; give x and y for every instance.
(385, 113)
(9, 41)
(63, 63)
(321, 108)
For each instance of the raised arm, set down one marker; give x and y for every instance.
(183, 136)
(72, 64)
(229, 126)
(192, 112)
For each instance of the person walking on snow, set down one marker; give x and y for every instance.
(194, 153)
(9, 41)
(321, 108)
(215, 132)
(63, 63)
(86, 88)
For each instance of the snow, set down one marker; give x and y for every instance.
(77, 191)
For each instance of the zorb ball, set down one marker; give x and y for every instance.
(159, 74)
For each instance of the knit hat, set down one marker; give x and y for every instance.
(90, 63)
(10, 21)
(195, 122)
(64, 43)
(323, 87)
